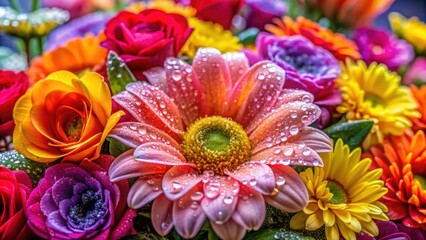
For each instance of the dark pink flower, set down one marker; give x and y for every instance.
(79, 201)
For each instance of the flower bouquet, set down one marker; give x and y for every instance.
(220, 119)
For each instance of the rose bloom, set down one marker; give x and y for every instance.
(379, 46)
(214, 141)
(12, 87)
(64, 116)
(146, 39)
(15, 187)
(79, 202)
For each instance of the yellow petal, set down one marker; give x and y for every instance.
(314, 221)
(329, 218)
(63, 76)
(112, 121)
(298, 221)
(332, 232)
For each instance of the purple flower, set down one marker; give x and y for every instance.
(388, 230)
(379, 46)
(308, 67)
(90, 23)
(79, 201)
(261, 12)
(417, 72)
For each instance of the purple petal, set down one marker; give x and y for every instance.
(47, 204)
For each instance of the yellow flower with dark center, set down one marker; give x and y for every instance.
(35, 24)
(374, 93)
(412, 30)
(343, 195)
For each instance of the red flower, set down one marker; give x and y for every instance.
(15, 186)
(218, 11)
(12, 87)
(146, 39)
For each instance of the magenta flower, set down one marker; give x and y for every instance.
(416, 73)
(79, 202)
(308, 67)
(261, 12)
(214, 141)
(379, 46)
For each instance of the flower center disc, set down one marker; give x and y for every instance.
(215, 144)
(339, 194)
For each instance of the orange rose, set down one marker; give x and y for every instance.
(64, 116)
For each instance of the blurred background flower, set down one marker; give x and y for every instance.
(413, 30)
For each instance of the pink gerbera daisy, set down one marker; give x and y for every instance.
(215, 140)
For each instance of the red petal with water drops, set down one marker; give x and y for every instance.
(178, 181)
(220, 198)
(126, 166)
(134, 134)
(213, 74)
(288, 154)
(255, 175)
(237, 64)
(292, 195)
(144, 190)
(187, 213)
(258, 89)
(160, 153)
(184, 88)
(285, 122)
(162, 215)
(251, 210)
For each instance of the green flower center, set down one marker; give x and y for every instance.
(215, 144)
(421, 180)
(339, 194)
(73, 128)
(374, 99)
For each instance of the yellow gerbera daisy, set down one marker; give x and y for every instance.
(375, 93)
(412, 30)
(208, 34)
(343, 195)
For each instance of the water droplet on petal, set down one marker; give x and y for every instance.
(306, 152)
(277, 151)
(177, 75)
(177, 187)
(197, 196)
(294, 130)
(253, 182)
(228, 199)
(280, 181)
(288, 152)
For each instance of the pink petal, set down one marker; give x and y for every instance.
(285, 122)
(162, 215)
(258, 89)
(288, 154)
(229, 230)
(314, 138)
(126, 166)
(134, 134)
(160, 153)
(157, 77)
(187, 214)
(292, 195)
(237, 64)
(185, 89)
(179, 180)
(286, 96)
(221, 198)
(156, 108)
(213, 74)
(144, 190)
(255, 175)
(251, 210)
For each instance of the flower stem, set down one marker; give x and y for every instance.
(14, 4)
(27, 49)
(40, 45)
(35, 5)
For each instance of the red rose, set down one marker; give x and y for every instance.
(218, 11)
(15, 187)
(146, 39)
(12, 87)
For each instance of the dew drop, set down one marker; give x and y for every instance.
(277, 151)
(228, 199)
(261, 76)
(177, 75)
(177, 187)
(293, 115)
(288, 152)
(142, 130)
(133, 126)
(306, 98)
(197, 196)
(280, 181)
(164, 225)
(315, 162)
(306, 152)
(253, 182)
(294, 130)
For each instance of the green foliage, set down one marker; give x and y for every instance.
(119, 74)
(248, 36)
(274, 234)
(116, 148)
(352, 133)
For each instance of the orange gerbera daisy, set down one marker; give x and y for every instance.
(403, 160)
(77, 55)
(337, 44)
(419, 93)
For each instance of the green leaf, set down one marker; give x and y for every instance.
(352, 133)
(16, 161)
(119, 74)
(248, 36)
(274, 234)
(116, 148)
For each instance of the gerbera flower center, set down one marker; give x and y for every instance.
(339, 194)
(215, 144)
(374, 99)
